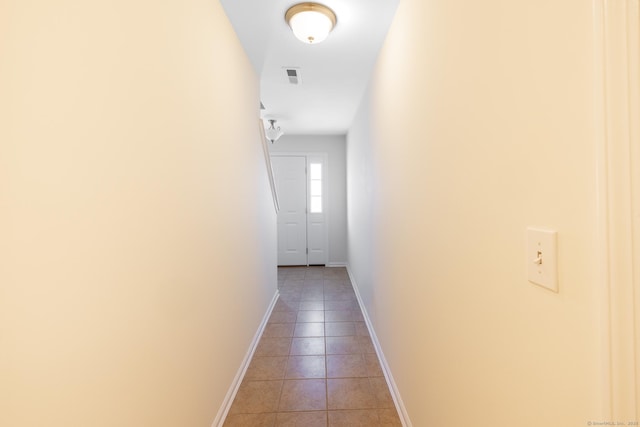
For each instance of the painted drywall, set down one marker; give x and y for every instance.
(137, 230)
(335, 147)
(479, 122)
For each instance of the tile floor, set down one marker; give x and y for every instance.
(315, 364)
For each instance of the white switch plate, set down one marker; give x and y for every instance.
(542, 258)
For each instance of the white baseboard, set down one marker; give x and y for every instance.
(395, 393)
(233, 390)
(337, 264)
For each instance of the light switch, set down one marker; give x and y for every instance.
(542, 258)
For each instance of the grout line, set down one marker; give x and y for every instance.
(282, 385)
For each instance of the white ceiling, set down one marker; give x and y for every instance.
(334, 73)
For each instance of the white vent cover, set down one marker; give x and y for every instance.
(292, 75)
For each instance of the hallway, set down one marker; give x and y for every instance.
(315, 364)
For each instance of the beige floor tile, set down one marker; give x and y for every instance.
(293, 283)
(332, 280)
(335, 286)
(313, 286)
(343, 345)
(303, 395)
(367, 345)
(341, 305)
(346, 366)
(381, 392)
(340, 329)
(296, 274)
(373, 365)
(310, 316)
(290, 292)
(354, 418)
(250, 420)
(340, 296)
(314, 280)
(286, 305)
(350, 393)
(278, 330)
(256, 397)
(357, 315)
(307, 346)
(266, 368)
(309, 330)
(283, 317)
(389, 418)
(302, 419)
(273, 347)
(311, 305)
(299, 367)
(315, 296)
(361, 329)
(338, 316)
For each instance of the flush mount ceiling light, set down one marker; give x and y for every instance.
(311, 22)
(272, 132)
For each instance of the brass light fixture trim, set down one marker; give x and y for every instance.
(310, 7)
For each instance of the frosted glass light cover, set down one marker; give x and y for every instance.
(273, 134)
(311, 27)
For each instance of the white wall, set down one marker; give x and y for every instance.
(334, 146)
(479, 122)
(362, 193)
(137, 257)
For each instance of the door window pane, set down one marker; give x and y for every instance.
(316, 204)
(316, 171)
(315, 187)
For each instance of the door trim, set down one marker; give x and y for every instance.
(617, 42)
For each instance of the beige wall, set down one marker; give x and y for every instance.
(136, 257)
(480, 121)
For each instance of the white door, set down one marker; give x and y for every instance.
(291, 184)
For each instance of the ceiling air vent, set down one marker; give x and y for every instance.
(293, 75)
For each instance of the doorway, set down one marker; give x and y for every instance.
(302, 227)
